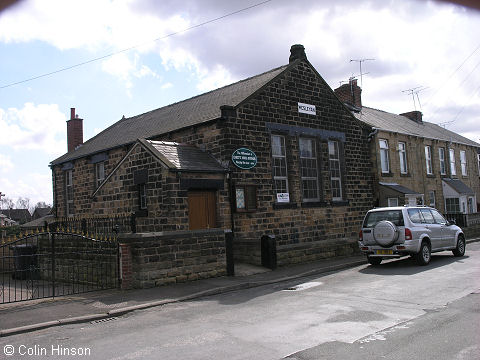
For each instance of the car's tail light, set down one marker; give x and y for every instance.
(360, 236)
(408, 234)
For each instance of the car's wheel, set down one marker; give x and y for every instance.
(374, 260)
(385, 233)
(425, 254)
(460, 249)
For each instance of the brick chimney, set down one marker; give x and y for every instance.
(74, 131)
(414, 115)
(350, 93)
(297, 52)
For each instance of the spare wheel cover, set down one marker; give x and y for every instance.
(385, 233)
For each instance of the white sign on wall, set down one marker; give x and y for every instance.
(283, 197)
(307, 109)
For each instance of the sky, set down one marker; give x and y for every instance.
(114, 58)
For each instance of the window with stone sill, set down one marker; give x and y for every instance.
(279, 166)
(335, 170)
(453, 170)
(463, 162)
(100, 172)
(69, 193)
(309, 170)
(441, 156)
(428, 159)
(384, 157)
(245, 198)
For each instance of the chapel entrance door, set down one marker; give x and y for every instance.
(202, 212)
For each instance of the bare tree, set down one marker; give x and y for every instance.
(23, 203)
(6, 203)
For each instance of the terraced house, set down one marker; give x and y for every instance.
(418, 162)
(273, 155)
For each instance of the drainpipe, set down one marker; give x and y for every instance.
(231, 200)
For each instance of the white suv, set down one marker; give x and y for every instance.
(392, 232)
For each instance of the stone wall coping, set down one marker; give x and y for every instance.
(133, 237)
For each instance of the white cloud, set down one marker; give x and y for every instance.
(5, 163)
(36, 187)
(34, 127)
(126, 69)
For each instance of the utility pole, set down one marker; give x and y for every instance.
(361, 73)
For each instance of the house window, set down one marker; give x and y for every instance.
(279, 160)
(402, 152)
(245, 197)
(428, 159)
(470, 205)
(478, 158)
(335, 170)
(140, 178)
(142, 192)
(392, 202)
(441, 156)
(100, 172)
(69, 193)
(463, 162)
(453, 171)
(431, 195)
(452, 205)
(384, 156)
(309, 169)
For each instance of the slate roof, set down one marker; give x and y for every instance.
(400, 188)
(19, 215)
(401, 124)
(196, 110)
(459, 186)
(183, 157)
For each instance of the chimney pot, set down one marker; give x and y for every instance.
(72, 113)
(350, 93)
(297, 52)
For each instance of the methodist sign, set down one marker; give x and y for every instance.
(307, 109)
(244, 158)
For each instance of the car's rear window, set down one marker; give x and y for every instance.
(374, 217)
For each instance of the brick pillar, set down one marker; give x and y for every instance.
(126, 271)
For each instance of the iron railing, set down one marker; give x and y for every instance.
(50, 264)
(98, 226)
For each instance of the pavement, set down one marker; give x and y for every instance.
(22, 317)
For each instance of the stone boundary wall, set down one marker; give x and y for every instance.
(161, 258)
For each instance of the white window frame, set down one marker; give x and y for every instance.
(463, 162)
(441, 157)
(280, 157)
(478, 158)
(384, 158)
(453, 170)
(428, 159)
(100, 172)
(335, 170)
(402, 153)
(392, 202)
(309, 169)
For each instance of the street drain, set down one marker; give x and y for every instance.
(103, 320)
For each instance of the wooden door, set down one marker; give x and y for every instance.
(202, 212)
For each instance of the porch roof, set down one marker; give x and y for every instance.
(400, 188)
(460, 187)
